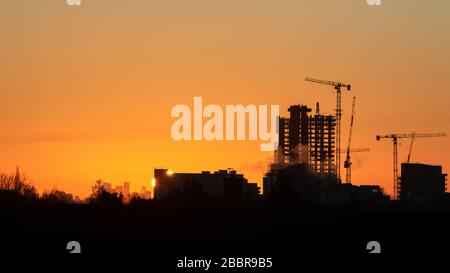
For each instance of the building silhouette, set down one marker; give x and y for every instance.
(298, 183)
(223, 186)
(321, 142)
(308, 139)
(126, 189)
(422, 182)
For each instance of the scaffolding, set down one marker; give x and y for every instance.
(307, 139)
(282, 153)
(322, 144)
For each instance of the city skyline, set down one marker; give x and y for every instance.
(84, 99)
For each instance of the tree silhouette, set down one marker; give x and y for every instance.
(56, 196)
(100, 195)
(16, 187)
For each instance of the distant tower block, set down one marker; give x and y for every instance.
(126, 189)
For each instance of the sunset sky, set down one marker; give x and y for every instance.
(86, 92)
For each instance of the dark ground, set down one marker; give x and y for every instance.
(169, 233)
(290, 229)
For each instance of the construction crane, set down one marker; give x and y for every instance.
(411, 146)
(337, 86)
(355, 150)
(347, 162)
(395, 138)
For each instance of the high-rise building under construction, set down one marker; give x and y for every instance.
(308, 139)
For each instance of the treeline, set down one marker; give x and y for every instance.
(17, 189)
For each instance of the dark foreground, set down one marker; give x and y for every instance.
(170, 234)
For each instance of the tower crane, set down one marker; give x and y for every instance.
(347, 162)
(355, 150)
(395, 138)
(337, 86)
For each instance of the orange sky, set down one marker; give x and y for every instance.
(86, 92)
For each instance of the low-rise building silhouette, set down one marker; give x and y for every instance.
(223, 186)
(297, 183)
(422, 182)
(125, 191)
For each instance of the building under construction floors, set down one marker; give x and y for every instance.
(321, 136)
(307, 139)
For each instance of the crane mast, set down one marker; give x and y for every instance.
(347, 162)
(355, 150)
(411, 146)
